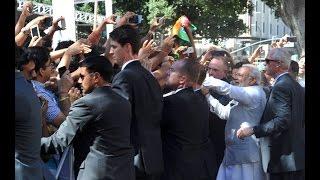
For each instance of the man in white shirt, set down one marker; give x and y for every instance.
(242, 157)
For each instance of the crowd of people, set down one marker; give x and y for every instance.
(135, 109)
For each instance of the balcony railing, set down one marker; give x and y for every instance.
(45, 9)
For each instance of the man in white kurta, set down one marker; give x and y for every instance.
(242, 159)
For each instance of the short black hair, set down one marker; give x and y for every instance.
(126, 34)
(40, 55)
(238, 65)
(188, 67)
(99, 64)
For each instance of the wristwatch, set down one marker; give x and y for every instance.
(25, 31)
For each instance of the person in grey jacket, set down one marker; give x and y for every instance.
(101, 121)
(242, 158)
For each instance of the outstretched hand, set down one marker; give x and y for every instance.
(167, 44)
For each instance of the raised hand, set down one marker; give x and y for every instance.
(125, 19)
(35, 41)
(27, 8)
(146, 49)
(167, 44)
(74, 94)
(110, 19)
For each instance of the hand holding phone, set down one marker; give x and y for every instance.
(292, 39)
(62, 24)
(35, 31)
(136, 19)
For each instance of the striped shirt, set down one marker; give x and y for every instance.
(53, 107)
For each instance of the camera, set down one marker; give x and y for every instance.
(35, 31)
(292, 39)
(136, 19)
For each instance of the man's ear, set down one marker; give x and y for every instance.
(128, 48)
(252, 81)
(182, 79)
(41, 71)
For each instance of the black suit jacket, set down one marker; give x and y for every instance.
(185, 131)
(283, 123)
(104, 117)
(139, 86)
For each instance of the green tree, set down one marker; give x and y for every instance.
(214, 19)
(43, 1)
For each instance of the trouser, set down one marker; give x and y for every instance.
(294, 175)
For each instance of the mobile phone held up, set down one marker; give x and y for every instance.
(62, 24)
(136, 19)
(292, 39)
(35, 31)
(62, 70)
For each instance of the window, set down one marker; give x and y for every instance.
(256, 26)
(284, 30)
(263, 27)
(257, 6)
(277, 29)
(270, 28)
(264, 7)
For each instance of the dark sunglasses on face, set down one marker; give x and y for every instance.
(269, 60)
(81, 76)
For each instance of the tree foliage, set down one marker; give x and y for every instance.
(213, 18)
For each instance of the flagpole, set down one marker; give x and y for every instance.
(189, 33)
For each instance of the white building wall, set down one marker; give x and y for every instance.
(262, 18)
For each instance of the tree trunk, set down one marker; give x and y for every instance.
(293, 14)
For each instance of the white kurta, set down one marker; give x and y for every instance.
(242, 159)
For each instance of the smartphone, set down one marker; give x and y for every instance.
(136, 19)
(156, 36)
(62, 24)
(62, 70)
(292, 39)
(47, 22)
(35, 31)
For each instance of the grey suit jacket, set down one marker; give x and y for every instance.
(283, 124)
(27, 130)
(105, 118)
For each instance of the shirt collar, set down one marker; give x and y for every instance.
(125, 64)
(275, 80)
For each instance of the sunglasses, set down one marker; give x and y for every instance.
(83, 76)
(269, 60)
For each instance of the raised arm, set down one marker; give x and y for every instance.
(26, 11)
(80, 113)
(243, 95)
